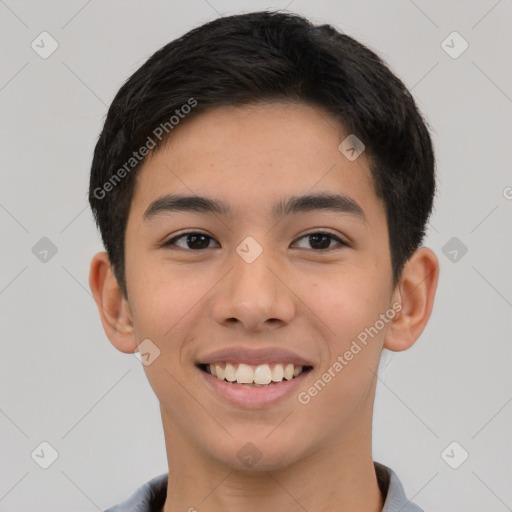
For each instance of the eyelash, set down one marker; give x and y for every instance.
(173, 240)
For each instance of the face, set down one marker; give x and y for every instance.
(263, 281)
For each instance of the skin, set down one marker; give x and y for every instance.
(189, 301)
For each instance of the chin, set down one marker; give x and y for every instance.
(257, 454)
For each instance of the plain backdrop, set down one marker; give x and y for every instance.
(64, 384)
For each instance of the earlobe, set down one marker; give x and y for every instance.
(416, 291)
(114, 310)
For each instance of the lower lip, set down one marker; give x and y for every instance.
(254, 397)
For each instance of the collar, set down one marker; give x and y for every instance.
(151, 496)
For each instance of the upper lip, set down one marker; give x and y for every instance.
(254, 356)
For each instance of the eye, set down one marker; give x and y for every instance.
(321, 241)
(193, 241)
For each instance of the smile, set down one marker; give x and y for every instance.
(254, 378)
(252, 395)
(261, 375)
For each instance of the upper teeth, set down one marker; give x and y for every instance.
(260, 374)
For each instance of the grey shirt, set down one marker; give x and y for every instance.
(151, 496)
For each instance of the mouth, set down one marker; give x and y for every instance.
(250, 378)
(254, 376)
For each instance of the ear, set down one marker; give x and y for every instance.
(114, 309)
(415, 291)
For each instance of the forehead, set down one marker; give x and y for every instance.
(255, 157)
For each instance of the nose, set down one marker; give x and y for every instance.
(255, 295)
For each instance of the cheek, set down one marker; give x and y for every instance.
(348, 302)
(351, 306)
(163, 313)
(167, 308)
(346, 379)
(161, 298)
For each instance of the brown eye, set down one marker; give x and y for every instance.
(193, 241)
(322, 241)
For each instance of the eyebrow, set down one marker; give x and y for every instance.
(339, 204)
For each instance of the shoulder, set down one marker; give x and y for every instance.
(150, 497)
(395, 498)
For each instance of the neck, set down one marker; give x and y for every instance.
(339, 476)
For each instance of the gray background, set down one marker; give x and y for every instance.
(62, 381)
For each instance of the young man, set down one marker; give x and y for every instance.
(262, 188)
